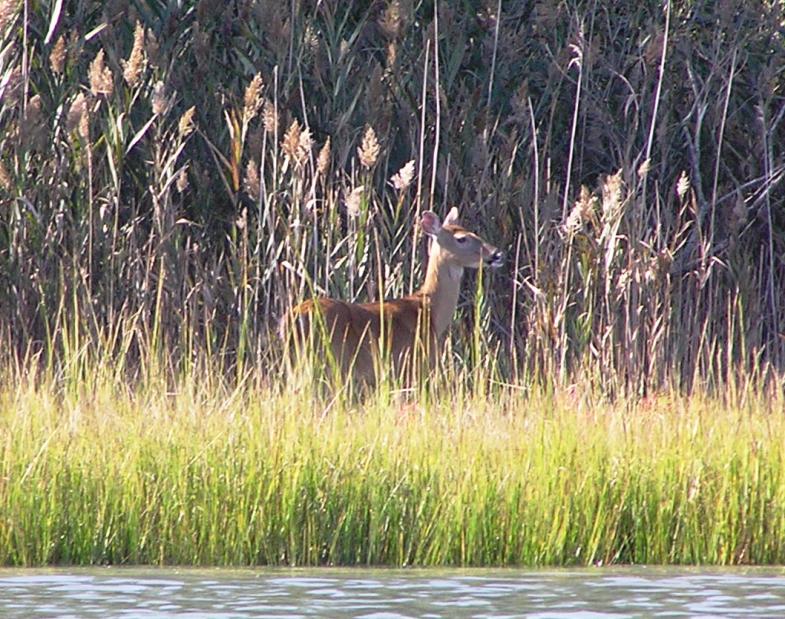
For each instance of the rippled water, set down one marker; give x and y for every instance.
(388, 594)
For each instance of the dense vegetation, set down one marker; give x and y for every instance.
(209, 476)
(173, 175)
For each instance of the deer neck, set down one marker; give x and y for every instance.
(440, 289)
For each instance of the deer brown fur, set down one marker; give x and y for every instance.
(410, 328)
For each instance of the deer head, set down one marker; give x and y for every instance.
(456, 246)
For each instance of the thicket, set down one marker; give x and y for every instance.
(174, 174)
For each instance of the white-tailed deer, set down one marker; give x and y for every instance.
(408, 329)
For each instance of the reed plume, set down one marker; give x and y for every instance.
(270, 118)
(323, 160)
(253, 100)
(403, 178)
(57, 56)
(186, 124)
(101, 79)
(368, 151)
(135, 65)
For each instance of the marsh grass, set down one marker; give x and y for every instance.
(173, 176)
(208, 474)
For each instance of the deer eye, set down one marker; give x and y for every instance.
(460, 239)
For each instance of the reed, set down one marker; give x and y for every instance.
(190, 172)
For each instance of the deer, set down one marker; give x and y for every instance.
(358, 336)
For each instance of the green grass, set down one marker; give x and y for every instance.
(204, 475)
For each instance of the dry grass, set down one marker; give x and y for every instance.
(172, 179)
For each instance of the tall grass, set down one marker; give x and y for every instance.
(173, 176)
(211, 474)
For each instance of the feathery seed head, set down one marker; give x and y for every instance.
(186, 125)
(270, 118)
(101, 80)
(291, 142)
(404, 177)
(323, 162)
(643, 169)
(253, 98)
(368, 151)
(84, 124)
(134, 66)
(353, 201)
(611, 196)
(306, 144)
(76, 112)
(579, 212)
(683, 185)
(57, 56)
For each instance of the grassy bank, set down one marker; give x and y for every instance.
(202, 475)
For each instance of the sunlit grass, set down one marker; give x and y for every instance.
(202, 475)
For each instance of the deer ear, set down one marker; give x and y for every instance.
(430, 223)
(452, 216)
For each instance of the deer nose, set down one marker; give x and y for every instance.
(496, 259)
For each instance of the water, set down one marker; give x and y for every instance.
(392, 594)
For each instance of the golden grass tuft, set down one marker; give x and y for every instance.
(135, 65)
(186, 124)
(270, 118)
(323, 160)
(78, 117)
(368, 151)
(353, 201)
(253, 99)
(403, 177)
(101, 79)
(58, 55)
